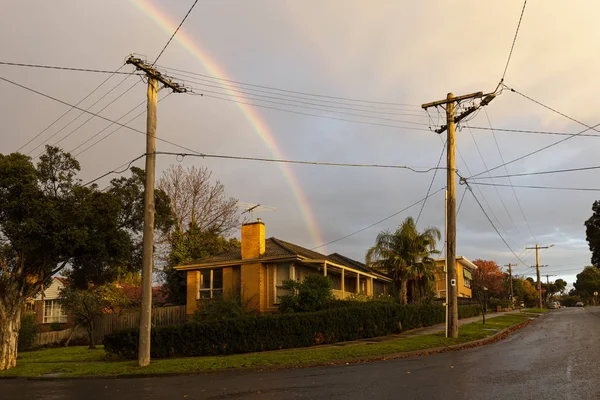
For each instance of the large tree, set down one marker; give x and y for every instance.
(592, 233)
(588, 282)
(404, 254)
(49, 222)
(204, 218)
(39, 233)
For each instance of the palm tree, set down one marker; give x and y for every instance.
(404, 255)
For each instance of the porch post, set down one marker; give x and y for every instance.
(343, 284)
(357, 283)
(325, 269)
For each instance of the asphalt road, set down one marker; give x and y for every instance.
(556, 357)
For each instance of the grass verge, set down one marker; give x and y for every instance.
(79, 361)
(536, 310)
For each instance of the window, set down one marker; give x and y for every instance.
(467, 275)
(283, 272)
(211, 283)
(54, 312)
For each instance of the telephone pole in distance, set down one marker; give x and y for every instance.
(537, 268)
(510, 293)
(154, 77)
(451, 120)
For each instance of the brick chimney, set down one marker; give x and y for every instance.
(253, 239)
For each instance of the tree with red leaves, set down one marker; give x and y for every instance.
(487, 282)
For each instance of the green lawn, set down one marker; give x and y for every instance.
(536, 310)
(79, 361)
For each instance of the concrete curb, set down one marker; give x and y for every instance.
(394, 356)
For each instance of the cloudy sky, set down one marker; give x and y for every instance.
(330, 81)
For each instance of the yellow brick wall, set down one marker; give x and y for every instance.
(253, 240)
(440, 280)
(253, 291)
(193, 279)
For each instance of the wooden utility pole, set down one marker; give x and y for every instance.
(451, 120)
(148, 234)
(510, 281)
(537, 268)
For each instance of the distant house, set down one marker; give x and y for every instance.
(134, 294)
(47, 307)
(256, 272)
(464, 275)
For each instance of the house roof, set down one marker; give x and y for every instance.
(348, 262)
(134, 293)
(274, 248)
(277, 248)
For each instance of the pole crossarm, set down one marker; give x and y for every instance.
(151, 72)
(454, 99)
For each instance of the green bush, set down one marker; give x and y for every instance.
(281, 331)
(468, 311)
(27, 332)
(492, 304)
(220, 308)
(55, 326)
(312, 294)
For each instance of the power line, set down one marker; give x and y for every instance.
(514, 41)
(494, 226)
(380, 221)
(116, 170)
(307, 107)
(545, 147)
(555, 171)
(480, 191)
(497, 191)
(69, 110)
(174, 33)
(293, 91)
(284, 161)
(316, 115)
(253, 90)
(70, 105)
(90, 118)
(65, 68)
(245, 94)
(537, 187)
(105, 128)
(431, 184)
(532, 131)
(506, 169)
(554, 110)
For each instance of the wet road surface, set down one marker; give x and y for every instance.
(556, 357)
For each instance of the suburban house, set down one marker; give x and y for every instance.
(256, 272)
(47, 307)
(464, 275)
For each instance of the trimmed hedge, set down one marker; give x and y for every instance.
(280, 331)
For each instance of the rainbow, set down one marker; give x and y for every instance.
(252, 116)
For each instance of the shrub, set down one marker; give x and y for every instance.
(468, 311)
(55, 326)
(27, 332)
(312, 294)
(492, 304)
(280, 331)
(220, 308)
